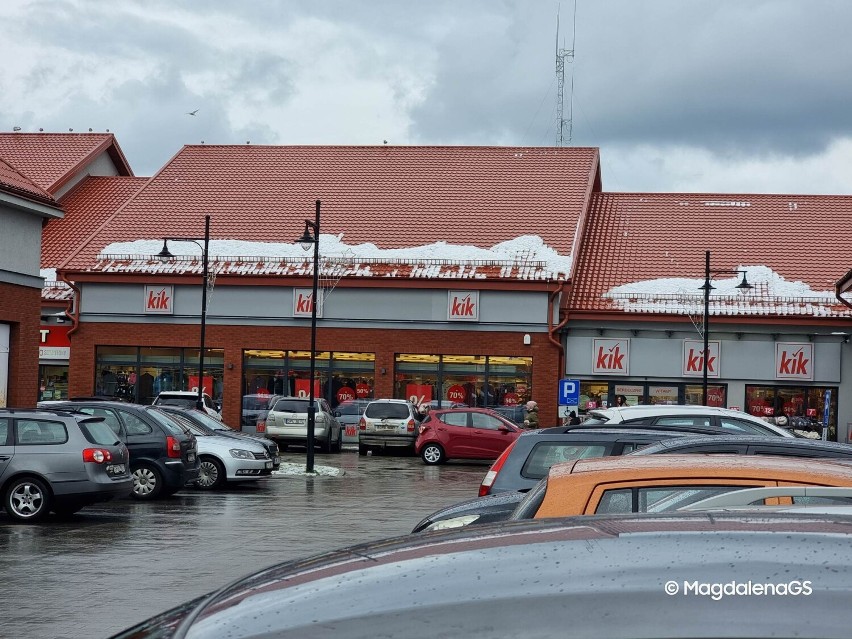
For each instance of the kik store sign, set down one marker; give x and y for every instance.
(611, 356)
(693, 358)
(794, 360)
(303, 302)
(463, 306)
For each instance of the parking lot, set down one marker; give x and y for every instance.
(115, 564)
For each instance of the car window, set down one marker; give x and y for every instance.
(99, 433)
(656, 499)
(165, 420)
(183, 402)
(481, 420)
(683, 420)
(291, 406)
(707, 449)
(109, 417)
(200, 417)
(134, 425)
(742, 426)
(38, 431)
(545, 454)
(387, 410)
(455, 419)
(351, 408)
(4, 431)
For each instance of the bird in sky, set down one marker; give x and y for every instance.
(193, 112)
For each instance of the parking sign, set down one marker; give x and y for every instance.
(569, 392)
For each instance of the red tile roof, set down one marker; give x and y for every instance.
(11, 181)
(86, 207)
(632, 237)
(392, 196)
(51, 159)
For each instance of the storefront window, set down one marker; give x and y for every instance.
(662, 395)
(352, 377)
(475, 380)
(593, 395)
(53, 382)
(797, 407)
(596, 394)
(635, 393)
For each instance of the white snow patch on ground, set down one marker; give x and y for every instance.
(295, 470)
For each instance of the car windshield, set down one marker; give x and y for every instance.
(254, 402)
(351, 408)
(98, 432)
(387, 410)
(172, 425)
(209, 422)
(183, 402)
(595, 418)
(292, 406)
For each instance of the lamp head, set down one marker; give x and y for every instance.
(165, 255)
(744, 285)
(307, 240)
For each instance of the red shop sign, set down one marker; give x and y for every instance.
(455, 393)
(363, 391)
(511, 399)
(303, 388)
(418, 393)
(345, 394)
(208, 384)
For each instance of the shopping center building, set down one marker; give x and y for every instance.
(558, 279)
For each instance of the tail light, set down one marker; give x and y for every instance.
(410, 425)
(362, 424)
(96, 455)
(173, 447)
(496, 467)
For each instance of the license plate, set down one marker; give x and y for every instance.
(269, 464)
(385, 427)
(115, 469)
(190, 457)
(294, 421)
(276, 460)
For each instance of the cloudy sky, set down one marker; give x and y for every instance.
(680, 95)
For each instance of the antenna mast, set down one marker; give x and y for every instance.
(562, 55)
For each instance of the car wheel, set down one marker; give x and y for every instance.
(212, 474)
(27, 499)
(362, 449)
(338, 447)
(325, 446)
(433, 454)
(147, 482)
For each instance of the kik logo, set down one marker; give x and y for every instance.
(611, 359)
(695, 362)
(793, 364)
(463, 307)
(159, 301)
(304, 303)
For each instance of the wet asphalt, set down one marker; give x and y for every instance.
(115, 564)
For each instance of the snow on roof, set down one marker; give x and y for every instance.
(771, 294)
(525, 257)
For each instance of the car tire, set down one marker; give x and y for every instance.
(147, 482)
(212, 475)
(363, 449)
(338, 446)
(325, 446)
(433, 454)
(27, 499)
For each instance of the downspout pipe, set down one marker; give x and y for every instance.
(74, 313)
(554, 330)
(839, 287)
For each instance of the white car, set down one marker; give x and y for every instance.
(734, 421)
(287, 423)
(187, 399)
(225, 459)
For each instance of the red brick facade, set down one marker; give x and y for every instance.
(385, 343)
(20, 307)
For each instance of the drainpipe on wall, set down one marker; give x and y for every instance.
(74, 314)
(843, 284)
(553, 330)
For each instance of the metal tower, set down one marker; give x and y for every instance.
(561, 56)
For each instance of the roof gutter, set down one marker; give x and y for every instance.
(74, 312)
(842, 286)
(554, 330)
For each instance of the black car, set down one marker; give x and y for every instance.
(163, 453)
(679, 575)
(255, 410)
(749, 445)
(214, 427)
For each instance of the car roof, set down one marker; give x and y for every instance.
(462, 576)
(606, 434)
(622, 426)
(722, 440)
(647, 410)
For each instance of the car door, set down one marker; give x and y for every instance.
(143, 440)
(454, 434)
(7, 450)
(110, 418)
(490, 437)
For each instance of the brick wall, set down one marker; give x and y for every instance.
(20, 307)
(385, 343)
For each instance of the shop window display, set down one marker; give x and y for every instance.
(53, 382)
(796, 407)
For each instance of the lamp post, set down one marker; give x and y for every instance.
(707, 287)
(306, 241)
(164, 255)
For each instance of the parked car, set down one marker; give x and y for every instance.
(54, 460)
(202, 419)
(532, 457)
(349, 415)
(255, 409)
(577, 577)
(163, 453)
(659, 483)
(463, 433)
(187, 399)
(515, 414)
(225, 459)
(388, 423)
(733, 421)
(287, 423)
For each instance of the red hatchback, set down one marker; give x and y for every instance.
(463, 433)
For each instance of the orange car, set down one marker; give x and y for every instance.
(659, 483)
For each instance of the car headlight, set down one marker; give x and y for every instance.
(452, 522)
(241, 454)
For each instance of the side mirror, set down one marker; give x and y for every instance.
(336, 413)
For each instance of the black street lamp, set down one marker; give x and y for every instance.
(306, 241)
(707, 287)
(164, 256)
